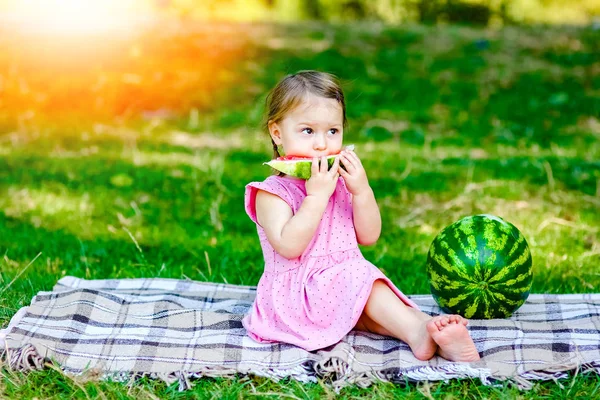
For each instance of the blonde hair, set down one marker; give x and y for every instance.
(292, 90)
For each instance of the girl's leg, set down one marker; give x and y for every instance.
(386, 314)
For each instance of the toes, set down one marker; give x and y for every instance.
(457, 319)
(455, 343)
(439, 321)
(432, 327)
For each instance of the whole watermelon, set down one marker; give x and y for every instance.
(480, 267)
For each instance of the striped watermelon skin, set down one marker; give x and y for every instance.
(298, 168)
(480, 267)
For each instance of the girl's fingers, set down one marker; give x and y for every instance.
(342, 171)
(335, 166)
(354, 157)
(348, 162)
(324, 164)
(314, 168)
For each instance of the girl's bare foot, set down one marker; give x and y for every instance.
(452, 337)
(423, 346)
(458, 319)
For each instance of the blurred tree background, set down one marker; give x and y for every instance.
(175, 58)
(152, 82)
(475, 12)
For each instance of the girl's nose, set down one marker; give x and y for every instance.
(319, 143)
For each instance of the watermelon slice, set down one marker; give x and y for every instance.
(298, 167)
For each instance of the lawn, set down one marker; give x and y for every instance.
(130, 160)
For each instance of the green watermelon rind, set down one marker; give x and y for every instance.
(467, 275)
(301, 168)
(296, 168)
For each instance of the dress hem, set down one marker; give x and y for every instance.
(354, 320)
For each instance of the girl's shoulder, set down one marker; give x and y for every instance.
(289, 191)
(295, 185)
(284, 181)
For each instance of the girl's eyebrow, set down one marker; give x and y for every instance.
(313, 123)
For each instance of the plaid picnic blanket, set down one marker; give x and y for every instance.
(176, 330)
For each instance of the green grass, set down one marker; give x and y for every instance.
(448, 121)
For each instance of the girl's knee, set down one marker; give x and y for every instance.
(382, 298)
(377, 296)
(379, 283)
(381, 290)
(366, 324)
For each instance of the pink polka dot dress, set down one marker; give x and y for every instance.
(314, 300)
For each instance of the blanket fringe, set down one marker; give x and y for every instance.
(333, 370)
(400, 375)
(184, 378)
(25, 358)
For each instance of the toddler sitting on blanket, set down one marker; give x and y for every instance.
(316, 285)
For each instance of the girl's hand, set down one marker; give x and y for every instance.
(322, 182)
(353, 173)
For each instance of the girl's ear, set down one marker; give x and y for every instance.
(275, 132)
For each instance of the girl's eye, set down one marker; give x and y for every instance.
(333, 131)
(308, 131)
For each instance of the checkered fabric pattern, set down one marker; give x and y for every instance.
(176, 330)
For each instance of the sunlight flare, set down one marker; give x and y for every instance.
(74, 17)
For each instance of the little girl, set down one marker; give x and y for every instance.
(317, 286)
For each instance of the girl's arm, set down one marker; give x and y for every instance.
(367, 219)
(289, 234)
